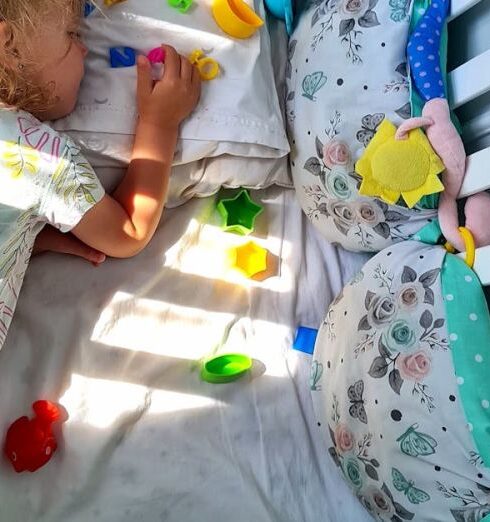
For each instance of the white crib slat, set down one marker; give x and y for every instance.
(460, 6)
(482, 264)
(470, 80)
(477, 177)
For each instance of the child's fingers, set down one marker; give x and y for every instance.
(185, 69)
(196, 81)
(172, 62)
(145, 82)
(196, 75)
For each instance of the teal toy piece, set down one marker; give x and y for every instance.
(239, 213)
(225, 368)
(305, 339)
(182, 5)
(122, 57)
(282, 9)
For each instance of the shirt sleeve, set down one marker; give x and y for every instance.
(73, 189)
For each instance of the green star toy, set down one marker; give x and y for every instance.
(239, 213)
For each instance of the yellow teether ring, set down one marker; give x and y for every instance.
(469, 244)
(207, 67)
(236, 18)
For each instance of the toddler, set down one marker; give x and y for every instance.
(44, 179)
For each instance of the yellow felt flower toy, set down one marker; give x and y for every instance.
(391, 168)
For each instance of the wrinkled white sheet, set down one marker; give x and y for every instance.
(146, 439)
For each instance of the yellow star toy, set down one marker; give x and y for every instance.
(109, 3)
(391, 168)
(250, 259)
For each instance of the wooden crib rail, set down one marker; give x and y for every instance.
(458, 7)
(477, 177)
(470, 80)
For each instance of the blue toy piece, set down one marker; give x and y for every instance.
(305, 339)
(423, 51)
(88, 8)
(122, 56)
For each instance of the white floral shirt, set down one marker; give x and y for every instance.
(43, 180)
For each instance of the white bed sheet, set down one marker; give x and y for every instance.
(146, 439)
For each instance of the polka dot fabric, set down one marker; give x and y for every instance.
(389, 390)
(469, 325)
(424, 51)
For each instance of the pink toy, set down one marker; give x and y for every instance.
(448, 145)
(157, 55)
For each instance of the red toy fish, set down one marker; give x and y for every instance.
(30, 443)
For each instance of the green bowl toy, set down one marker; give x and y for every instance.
(239, 213)
(225, 368)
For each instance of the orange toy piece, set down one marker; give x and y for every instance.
(250, 258)
(109, 3)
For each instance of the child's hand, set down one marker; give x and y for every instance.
(122, 224)
(165, 103)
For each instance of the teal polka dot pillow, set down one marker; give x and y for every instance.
(401, 386)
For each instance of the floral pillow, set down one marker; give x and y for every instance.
(346, 72)
(400, 386)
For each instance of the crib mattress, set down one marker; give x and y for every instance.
(119, 347)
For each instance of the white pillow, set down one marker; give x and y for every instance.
(239, 112)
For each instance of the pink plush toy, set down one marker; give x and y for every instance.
(424, 57)
(448, 145)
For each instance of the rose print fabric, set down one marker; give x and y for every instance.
(346, 72)
(43, 179)
(389, 393)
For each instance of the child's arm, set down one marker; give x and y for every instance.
(122, 225)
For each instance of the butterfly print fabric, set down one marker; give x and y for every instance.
(346, 72)
(388, 399)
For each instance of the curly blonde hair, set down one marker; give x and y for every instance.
(24, 18)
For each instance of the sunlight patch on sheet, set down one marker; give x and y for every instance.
(101, 403)
(265, 341)
(213, 38)
(204, 250)
(265, 336)
(157, 327)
